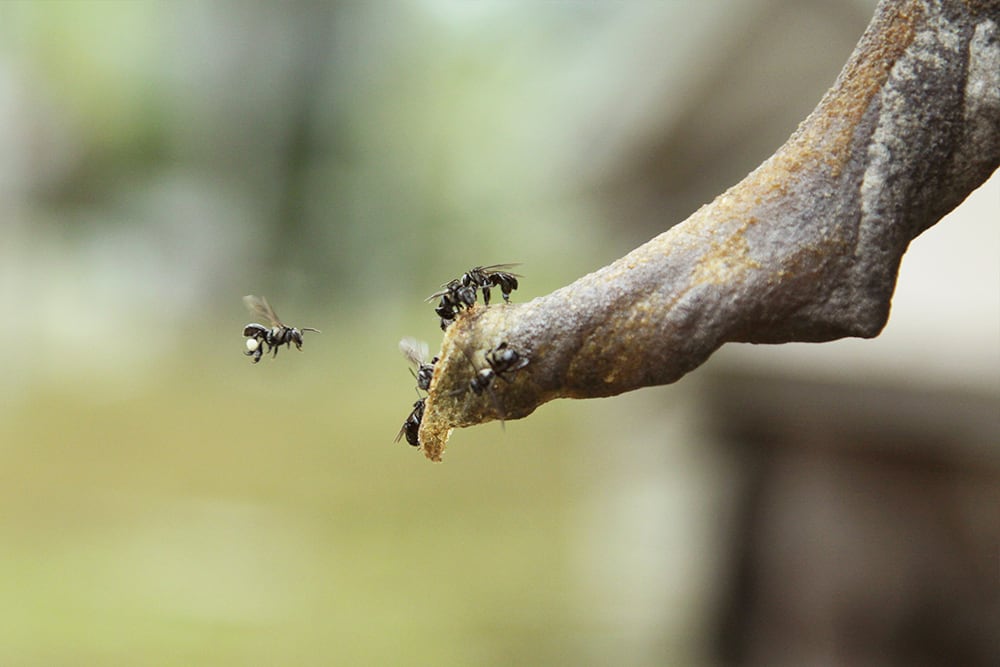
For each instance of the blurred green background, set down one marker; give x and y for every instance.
(165, 502)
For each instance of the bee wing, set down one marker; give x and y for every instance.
(258, 305)
(414, 350)
(437, 295)
(502, 267)
(418, 412)
(454, 283)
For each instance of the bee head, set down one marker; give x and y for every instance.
(482, 380)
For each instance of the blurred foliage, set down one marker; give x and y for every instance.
(330, 142)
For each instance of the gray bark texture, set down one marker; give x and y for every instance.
(805, 248)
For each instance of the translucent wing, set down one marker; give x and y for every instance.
(445, 288)
(413, 417)
(436, 295)
(414, 350)
(493, 268)
(258, 305)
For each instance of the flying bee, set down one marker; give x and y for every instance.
(411, 427)
(274, 336)
(416, 352)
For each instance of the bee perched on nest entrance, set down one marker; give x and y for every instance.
(411, 427)
(495, 275)
(416, 353)
(274, 334)
(461, 293)
(500, 361)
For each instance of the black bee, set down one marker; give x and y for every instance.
(460, 293)
(500, 360)
(485, 277)
(276, 335)
(411, 427)
(454, 298)
(446, 311)
(416, 353)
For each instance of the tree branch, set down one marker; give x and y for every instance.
(805, 248)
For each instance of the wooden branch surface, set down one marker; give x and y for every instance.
(805, 248)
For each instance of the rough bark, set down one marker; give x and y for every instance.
(805, 248)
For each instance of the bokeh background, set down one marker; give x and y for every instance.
(165, 502)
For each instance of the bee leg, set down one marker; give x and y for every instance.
(486, 294)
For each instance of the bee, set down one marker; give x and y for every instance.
(454, 298)
(500, 360)
(461, 293)
(411, 427)
(274, 336)
(495, 275)
(416, 352)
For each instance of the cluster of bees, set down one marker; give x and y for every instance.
(454, 297)
(416, 353)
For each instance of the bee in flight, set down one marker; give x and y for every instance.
(274, 334)
(416, 353)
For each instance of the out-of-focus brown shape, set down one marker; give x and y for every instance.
(805, 248)
(866, 526)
